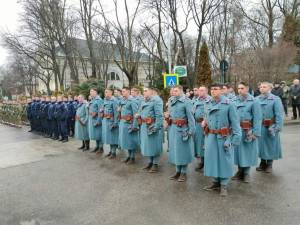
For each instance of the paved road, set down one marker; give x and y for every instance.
(43, 182)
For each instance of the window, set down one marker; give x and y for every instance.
(113, 76)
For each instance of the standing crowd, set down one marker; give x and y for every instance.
(219, 130)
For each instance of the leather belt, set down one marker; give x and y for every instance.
(268, 122)
(225, 131)
(179, 122)
(246, 124)
(127, 118)
(108, 116)
(148, 120)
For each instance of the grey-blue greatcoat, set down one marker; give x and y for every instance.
(151, 139)
(198, 110)
(110, 126)
(128, 133)
(181, 143)
(81, 123)
(95, 129)
(219, 161)
(269, 142)
(246, 154)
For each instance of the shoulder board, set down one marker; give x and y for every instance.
(226, 101)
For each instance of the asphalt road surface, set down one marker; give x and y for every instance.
(45, 182)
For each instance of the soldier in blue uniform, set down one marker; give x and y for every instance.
(228, 92)
(61, 115)
(150, 117)
(53, 122)
(71, 116)
(272, 123)
(118, 95)
(46, 120)
(42, 115)
(136, 95)
(29, 113)
(95, 122)
(38, 114)
(167, 116)
(157, 98)
(128, 135)
(81, 123)
(181, 131)
(110, 123)
(196, 95)
(198, 110)
(223, 133)
(245, 155)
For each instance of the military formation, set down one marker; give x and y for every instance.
(220, 131)
(53, 117)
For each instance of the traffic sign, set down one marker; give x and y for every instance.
(180, 70)
(171, 80)
(223, 65)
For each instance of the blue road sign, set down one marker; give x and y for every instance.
(170, 80)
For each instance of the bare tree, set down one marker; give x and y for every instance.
(124, 36)
(87, 14)
(266, 16)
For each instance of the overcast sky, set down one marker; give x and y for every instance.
(9, 11)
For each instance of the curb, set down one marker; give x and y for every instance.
(292, 122)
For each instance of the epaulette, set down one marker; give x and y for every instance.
(226, 101)
(271, 97)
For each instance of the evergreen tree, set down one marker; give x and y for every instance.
(204, 69)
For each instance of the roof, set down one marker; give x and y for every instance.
(111, 51)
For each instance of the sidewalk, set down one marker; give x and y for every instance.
(288, 119)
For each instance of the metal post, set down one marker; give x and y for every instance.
(169, 47)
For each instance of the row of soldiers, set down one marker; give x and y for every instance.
(218, 130)
(52, 117)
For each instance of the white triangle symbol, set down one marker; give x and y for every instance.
(171, 83)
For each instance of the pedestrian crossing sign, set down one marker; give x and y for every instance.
(171, 80)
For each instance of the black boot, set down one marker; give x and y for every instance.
(87, 146)
(148, 167)
(213, 186)
(108, 155)
(101, 151)
(239, 175)
(199, 167)
(112, 156)
(175, 176)
(82, 146)
(96, 149)
(66, 139)
(262, 165)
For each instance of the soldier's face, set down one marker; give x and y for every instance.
(196, 91)
(80, 99)
(177, 92)
(202, 91)
(242, 90)
(265, 88)
(93, 93)
(125, 92)
(147, 93)
(216, 92)
(108, 93)
(224, 90)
